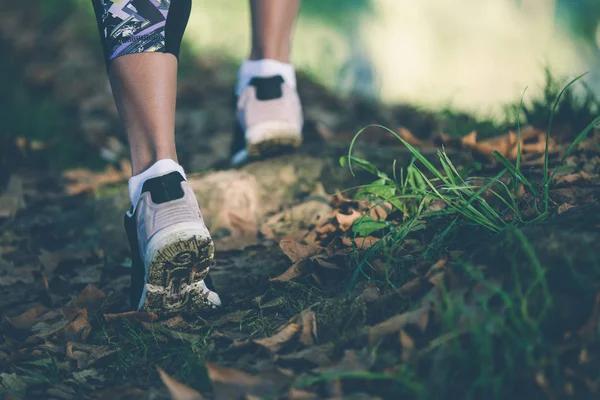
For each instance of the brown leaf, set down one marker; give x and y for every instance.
(589, 329)
(133, 316)
(409, 137)
(297, 394)
(437, 279)
(232, 318)
(571, 178)
(326, 228)
(437, 267)
(277, 341)
(87, 355)
(324, 132)
(411, 287)
(79, 328)
(11, 201)
(408, 345)
(90, 298)
(296, 270)
(242, 226)
(353, 360)
(49, 260)
(398, 322)
(564, 207)
(297, 251)
(229, 383)
(361, 242)
(370, 294)
(315, 355)
(469, 140)
(244, 233)
(321, 262)
(380, 211)
(83, 180)
(178, 390)
(309, 334)
(121, 393)
(26, 320)
(346, 221)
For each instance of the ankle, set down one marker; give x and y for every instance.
(264, 68)
(159, 168)
(277, 54)
(144, 157)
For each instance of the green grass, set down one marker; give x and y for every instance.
(498, 330)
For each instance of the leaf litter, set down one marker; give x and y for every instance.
(293, 349)
(327, 325)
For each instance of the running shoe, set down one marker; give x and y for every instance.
(171, 249)
(269, 120)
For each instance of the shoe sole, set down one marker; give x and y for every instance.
(272, 138)
(178, 260)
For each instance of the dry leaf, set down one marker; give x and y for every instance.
(297, 251)
(370, 294)
(315, 355)
(398, 322)
(178, 390)
(564, 207)
(90, 298)
(79, 328)
(26, 320)
(353, 360)
(309, 334)
(589, 329)
(297, 394)
(437, 267)
(319, 259)
(437, 279)
(326, 228)
(296, 270)
(361, 242)
(277, 341)
(242, 226)
(409, 137)
(584, 356)
(244, 233)
(49, 260)
(408, 345)
(87, 355)
(83, 180)
(133, 316)
(346, 221)
(411, 287)
(229, 383)
(571, 178)
(381, 211)
(11, 201)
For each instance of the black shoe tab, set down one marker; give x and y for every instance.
(164, 188)
(268, 88)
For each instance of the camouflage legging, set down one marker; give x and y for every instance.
(136, 26)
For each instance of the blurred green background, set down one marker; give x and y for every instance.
(469, 54)
(473, 56)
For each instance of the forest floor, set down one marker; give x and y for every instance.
(419, 265)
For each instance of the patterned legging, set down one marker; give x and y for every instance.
(137, 26)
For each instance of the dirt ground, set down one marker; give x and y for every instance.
(422, 303)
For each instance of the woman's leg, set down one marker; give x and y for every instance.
(147, 110)
(141, 41)
(171, 248)
(268, 108)
(272, 28)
